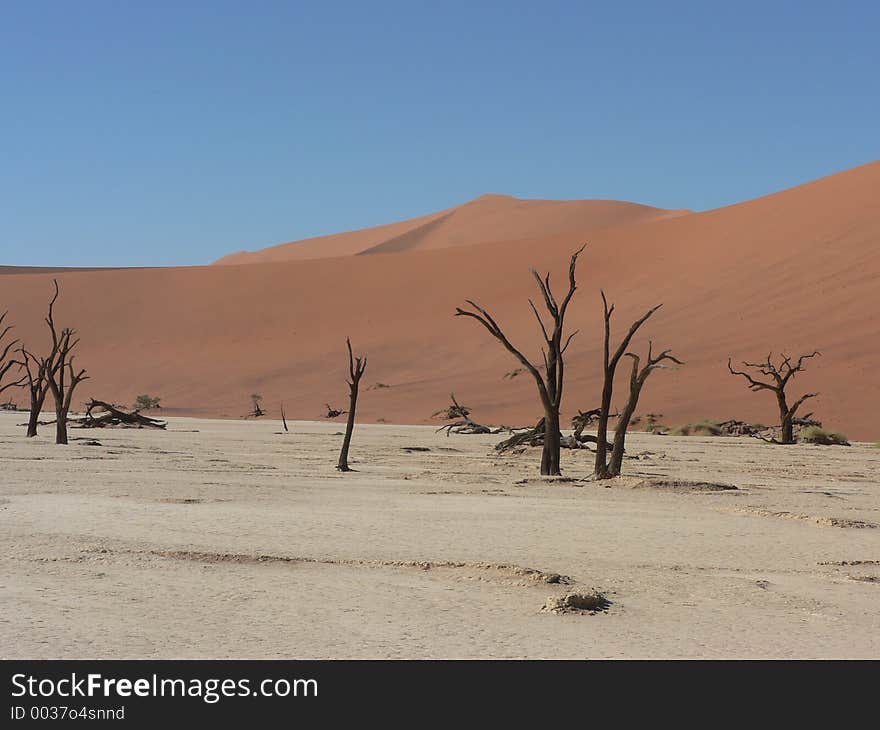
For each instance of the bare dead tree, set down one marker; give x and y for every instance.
(584, 419)
(551, 382)
(37, 381)
(284, 419)
(62, 377)
(356, 368)
(636, 383)
(522, 437)
(610, 362)
(37, 370)
(7, 362)
(333, 412)
(779, 376)
(465, 424)
(100, 414)
(256, 407)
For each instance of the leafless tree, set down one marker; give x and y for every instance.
(779, 375)
(37, 370)
(62, 377)
(7, 362)
(333, 412)
(610, 363)
(356, 368)
(637, 379)
(37, 381)
(256, 407)
(549, 384)
(101, 414)
(584, 419)
(464, 423)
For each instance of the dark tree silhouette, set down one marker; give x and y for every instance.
(356, 367)
(465, 424)
(62, 377)
(779, 376)
(256, 407)
(7, 362)
(551, 382)
(37, 380)
(636, 383)
(610, 362)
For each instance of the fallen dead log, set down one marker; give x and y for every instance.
(534, 436)
(334, 412)
(465, 424)
(105, 415)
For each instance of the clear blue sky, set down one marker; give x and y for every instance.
(161, 133)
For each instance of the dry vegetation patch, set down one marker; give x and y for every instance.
(591, 601)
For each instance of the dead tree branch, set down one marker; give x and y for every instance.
(7, 362)
(356, 368)
(332, 412)
(550, 383)
(100, 414)
(777, 376)
(465, 424)
(636, 383)
(62, 377)
(610, 362)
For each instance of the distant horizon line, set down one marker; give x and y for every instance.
(6, 269)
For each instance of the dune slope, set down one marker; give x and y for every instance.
(486, 219)
(798, 270)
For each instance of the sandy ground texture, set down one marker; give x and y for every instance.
(232, 539)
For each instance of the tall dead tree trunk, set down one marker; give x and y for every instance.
(62, 378)
(356, 367)
(779, 375)
(610, 362)
(36, 375)
(6, 362)
(636, 383)
(551, 382)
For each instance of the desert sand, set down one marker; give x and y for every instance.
(233, 539)
(797, 270)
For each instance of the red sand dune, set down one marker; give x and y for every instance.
(486, 219)
(796, 270)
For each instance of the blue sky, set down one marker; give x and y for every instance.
(169, 133)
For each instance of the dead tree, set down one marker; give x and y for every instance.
(333, 412)
(523, 437)
(465, 424)
(37, 371)
(37, 381)
(584, 419)
(534, 436)
(636, 383)
(610, 362)
(356, 367)
(256, 408)
(100, 414)
(779, 376)
(62, 377)
(284, 419)
(551, 382)
(7, 362)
